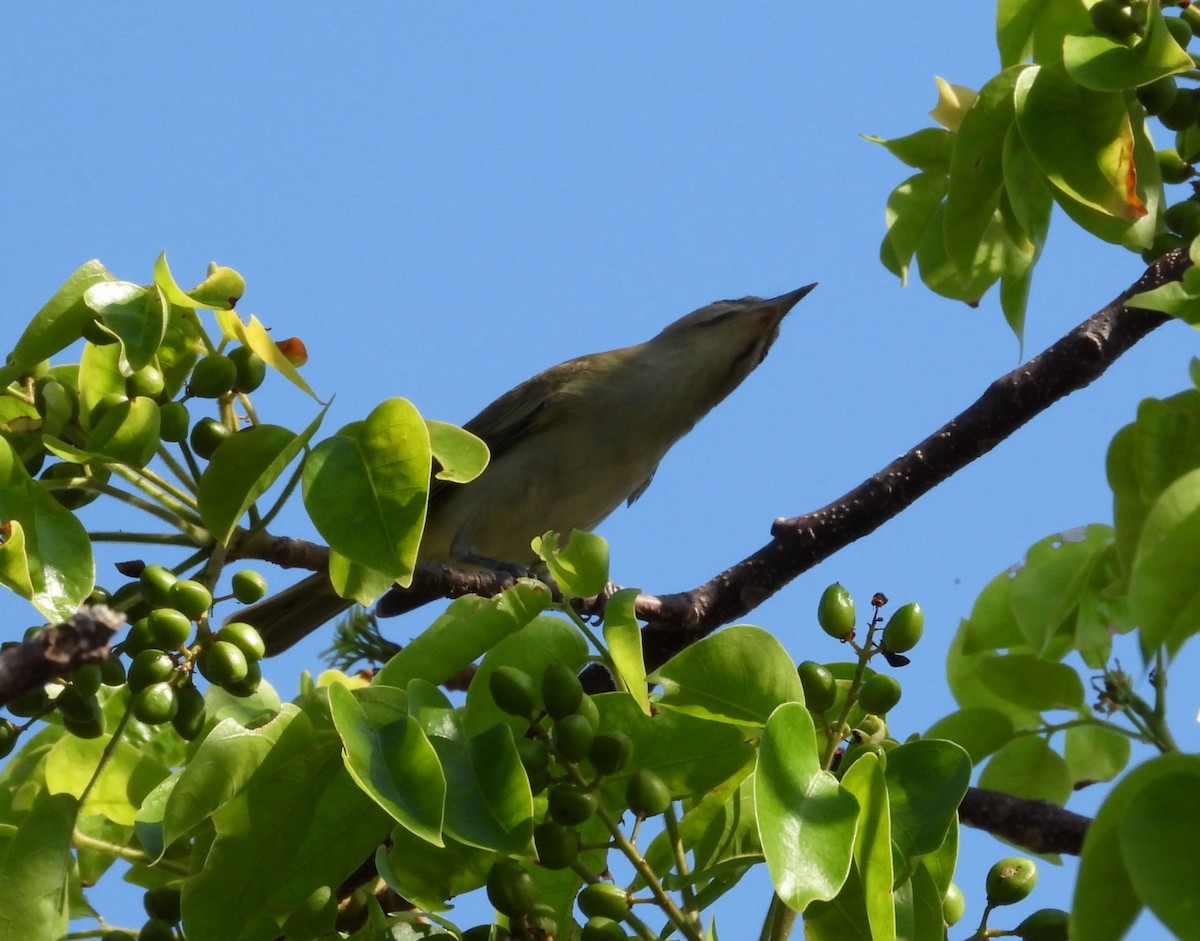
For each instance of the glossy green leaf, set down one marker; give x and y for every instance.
(367, 493)
(129, 775)
(738, 675)
(1037, 28)
(1106, 902)
(99, 374)
(253, 334)
(1025, 190)
(391, 759)
(1159, 833)
(942, 276)
(623, 635)
(127, 434)
(469, 627)
(221, 288)
(1028, 767)
(301, 822)
(1094, 753)
(845, 917)
(911, 209)
(1172, 298)
(1031, 682)
(926, 781)
(488, 800)
(980, 730)
(977, 170)
(806, 820)
(873, 843)
(580, 566)
(35, 870)
(1082, 140)
(919, 908)
(243, 468)
(539, 642)
(47, 557)
(137, 316)
(926, 149)
(1164, 585)
(57, 325)
(219, 769)
(428, 875)
(461, 456)
(1101, 62)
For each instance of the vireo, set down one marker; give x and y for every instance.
(567, 447)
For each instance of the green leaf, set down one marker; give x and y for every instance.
(919, 908)
(1037, 28)
(367, 493)
(1028, 767)
(926, 149)
(979, 730)
(539, 642)
(941, 275)
(873, 843)
(1030, 682)
(300, 823)
(911, 209)
(845, 918)
(468, 628)
(390, 757)
(738, 675)
(580, 568)
(1101, 62)
(926, 781)
(136, 316)
(1159, 833)
(1164, 586)
(1106, 902)
(624, 638)
(488, 800)
(221, 288)
(254, 335)
(461, 456)
(977, 170)
(129, 775)
(242, 470)
(127, 434)
(47, 557)
(35, 870)
(219, 769)
(1094, 753)
(1082, 139)
(428, 875)
(806, 820)
(1172, 298)
(57, 325)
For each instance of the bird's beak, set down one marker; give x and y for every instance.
(776, 308)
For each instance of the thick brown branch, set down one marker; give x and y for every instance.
(57, 650)
(1039, 826)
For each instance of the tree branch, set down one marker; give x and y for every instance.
(57, 650)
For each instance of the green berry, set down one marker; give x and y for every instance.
(163, 902)
(207, 435)
(104, 405)
(224, 663)
(1011, 880)
(561, 690)
(573, 736)
(1158, 96)
(954, 905)
(87, 679)
(605, 900)
(173, 421)
(820, 688)
(1113, 19)
(71, 702)
(251, 370)
(511, 889)
(1046, 924)
(879, 694)
(156, 581)
(155, 929)
(147, 381)
(156, 703)
(602, 929)
(647, 794)
(1181, 112)
(249, 586)
(247, 685)
(190, 597)
(30, 704)
(245, 637)
(212, 376)
(189, 718)
(513, 691)
(557, 845)
(610, 752)
(533, 755)
(904, 628)
(835, 612)
(570, 804)
(1180, 31)
(169, 628)
(8, 737)
(149, 667)
(112, 671)
(590, 711)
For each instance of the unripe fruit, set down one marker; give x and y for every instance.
(245, 637)
(953, 905)
(224, 663)
(534, 757)
(149, 667)
(1010, 880)
(247, 685)
(1180, 31)
(610, 752)
(112, 671)
(212, 376)
(557, 844)
(156, 930)
(561, 690)
(1184, 218)
(146, 381)
(73, 498)
(1172, 166)
(250, 368)
(1046, 924)
(835, 611)
(511, 889)
(8, 737)
(189, 718)
(207, 434)
(879, 694)
(1181, 113)
(602, 929)
(138, 638)
(155, 704)
(513, 691)
(573, 736)
(73, 704)
(163, 902)
(1111, 18)
(820, 688)
(30, 704)
(605, 900)
(128, 598)
(904, 628)
(1158, 96)
(105, 405)
(590, 711)
(87, 678)
(92, 727)
(248, 586)
(169, 628)
(156, 581)
(190, 597)
(856, 750)
(647, 794)
(570, 805)
(173, 421)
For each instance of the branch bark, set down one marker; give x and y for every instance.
(57, 650)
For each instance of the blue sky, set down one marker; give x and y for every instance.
(443, 199)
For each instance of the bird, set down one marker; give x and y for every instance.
(568, 446)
